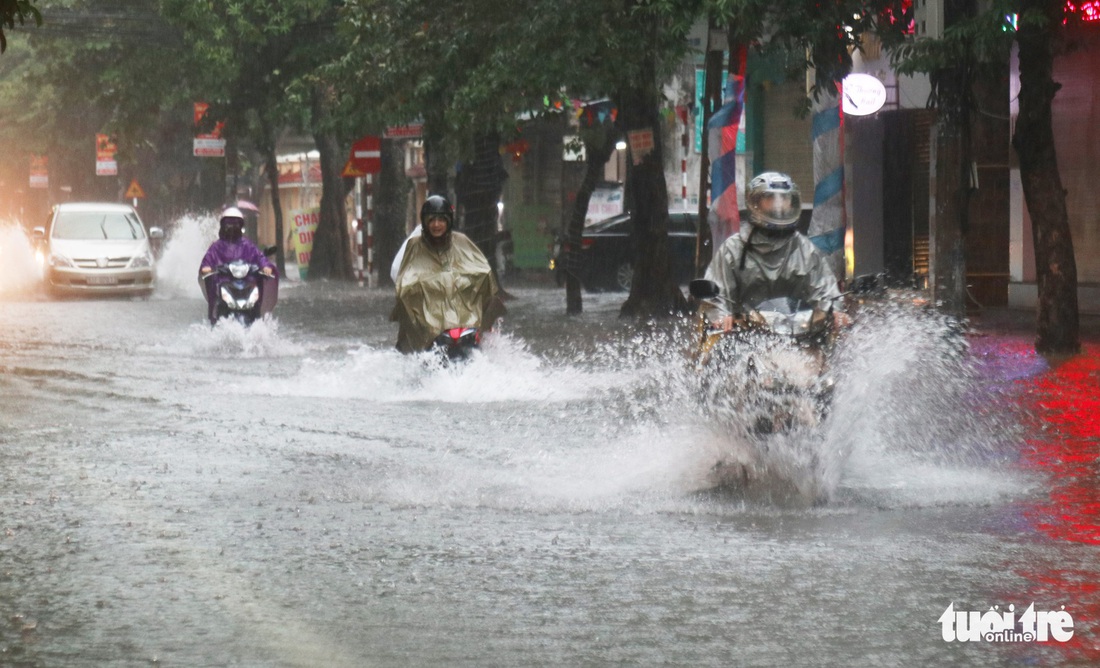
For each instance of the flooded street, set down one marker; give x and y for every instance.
(299, 494)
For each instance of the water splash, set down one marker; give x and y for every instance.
(178, 266)
(20, 270)
(910, 422)
(914, 423)
(503, 370)
(231, 339)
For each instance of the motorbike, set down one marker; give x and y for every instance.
(240, 291)
(767, 381)
(457, 344)
(771, 369)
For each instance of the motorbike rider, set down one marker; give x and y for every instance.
(444, 281)
(770, 258)
(232, 245)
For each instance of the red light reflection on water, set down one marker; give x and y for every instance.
(1064, 404)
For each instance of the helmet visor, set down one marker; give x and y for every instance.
(779, 205)
(232, 229)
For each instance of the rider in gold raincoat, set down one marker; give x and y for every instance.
(444, 282)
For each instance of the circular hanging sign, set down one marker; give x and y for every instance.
(862, 94)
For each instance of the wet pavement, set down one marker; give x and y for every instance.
(299, 494)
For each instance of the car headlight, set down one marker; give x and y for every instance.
(141, 261)
(58, 260)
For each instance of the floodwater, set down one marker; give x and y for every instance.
(299, 494)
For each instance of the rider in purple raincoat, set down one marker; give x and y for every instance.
(233, 245)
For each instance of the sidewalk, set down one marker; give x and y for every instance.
(1006, 319)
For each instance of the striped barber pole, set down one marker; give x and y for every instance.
(722, 148)
(827, 225)
(366, 245)
(359, 255)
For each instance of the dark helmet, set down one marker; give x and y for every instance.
(437, 205)
(231, 225)
(773, 202)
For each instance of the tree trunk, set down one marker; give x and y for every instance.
(598, 146)
(478, 187)
(652, 290)
(948, 264)
(271, 168)
(435, 155)
(331, 254)
(390, 205)
(1055, 266)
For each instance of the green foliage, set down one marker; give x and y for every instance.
(974, 45)
(16, 10)
(106, 67)
(984, 38)
(476, 65)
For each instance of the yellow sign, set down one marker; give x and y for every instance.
(135, 190)
(305, 224)
(351, 171)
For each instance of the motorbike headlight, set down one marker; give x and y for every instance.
(469, 338)
(238, 269)
(253, 297)
(227, 296)
(58, 260)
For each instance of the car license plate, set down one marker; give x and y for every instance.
(102, 280)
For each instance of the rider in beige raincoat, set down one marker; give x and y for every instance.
(444, 281)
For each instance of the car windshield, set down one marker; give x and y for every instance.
(88, 225)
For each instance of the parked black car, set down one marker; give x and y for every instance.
(607, 252)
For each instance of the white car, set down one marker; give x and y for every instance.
(97, 248)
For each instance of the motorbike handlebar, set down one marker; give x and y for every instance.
(222, 269)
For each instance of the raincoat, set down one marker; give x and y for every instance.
(224, 252)
(786, 267)
(440, 289)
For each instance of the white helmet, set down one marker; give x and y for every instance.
(232, 212)
(773, 202)
(231, 225)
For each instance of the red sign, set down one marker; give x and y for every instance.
(366, 155)
(105, 149)
(405, 131)
(208, 147)
(641, 144)
(207, 144)
(40, 173)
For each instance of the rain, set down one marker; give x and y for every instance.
(299, 493)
